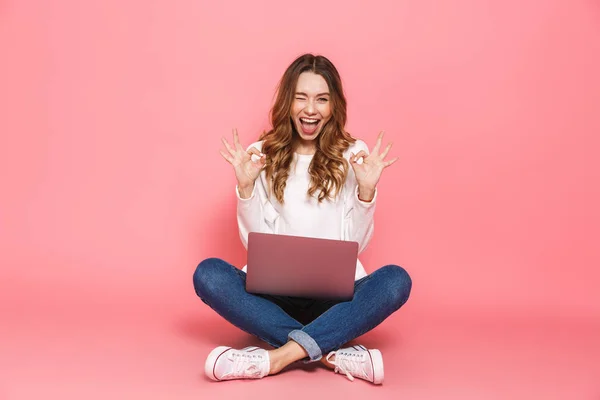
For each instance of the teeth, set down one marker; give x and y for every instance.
(309, 120)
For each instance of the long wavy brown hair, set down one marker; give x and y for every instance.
(328, 169)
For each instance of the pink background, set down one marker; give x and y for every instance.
(111, 115)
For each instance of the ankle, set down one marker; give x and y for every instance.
(285, 355)
(327, 363)
(276, 362)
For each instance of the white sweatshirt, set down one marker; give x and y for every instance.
(344, 218)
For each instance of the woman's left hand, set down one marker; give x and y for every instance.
(369, 171)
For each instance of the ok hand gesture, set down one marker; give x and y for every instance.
(246, 170)
(369, 171)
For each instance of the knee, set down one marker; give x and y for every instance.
(397, 282)
(208, 276)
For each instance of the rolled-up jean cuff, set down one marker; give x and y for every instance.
(308, 343)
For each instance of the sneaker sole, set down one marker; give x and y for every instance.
(377, 360)
(211, 361)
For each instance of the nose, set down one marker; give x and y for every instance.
(310, 108)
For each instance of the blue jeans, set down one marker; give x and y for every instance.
(319, 326)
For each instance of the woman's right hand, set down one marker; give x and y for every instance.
(246, 170)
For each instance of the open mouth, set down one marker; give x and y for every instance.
(309, 125)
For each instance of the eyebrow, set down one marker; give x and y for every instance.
(320, 94)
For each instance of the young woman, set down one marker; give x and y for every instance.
(305, 177)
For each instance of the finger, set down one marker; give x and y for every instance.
(388, 163)
(361, 154)
(228, 146)
(226, 156)
(260, 157)
(378, 143)
(254, 150)
(354, 157)
(262, 162)
(352, 163)
(236, 140)
(386, 151)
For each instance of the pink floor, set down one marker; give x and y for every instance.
(113, 189)
(159, 354)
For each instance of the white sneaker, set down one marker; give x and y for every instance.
(224, 363)
(358, 361)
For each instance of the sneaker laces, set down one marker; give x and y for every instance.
(351, 364)
(243, 367)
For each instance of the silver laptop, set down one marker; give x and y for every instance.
(301, 266)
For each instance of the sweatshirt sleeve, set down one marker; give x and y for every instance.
(255, 214)
(359, 215)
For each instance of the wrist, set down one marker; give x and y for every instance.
(245, 191)
(366, 193)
